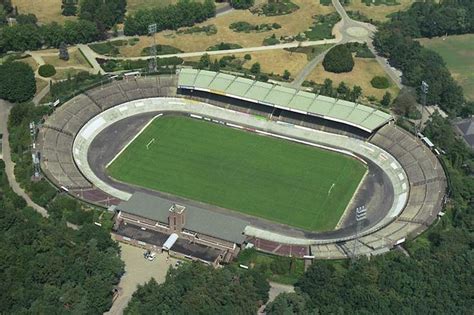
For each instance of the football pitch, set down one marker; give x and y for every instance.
(278, 180)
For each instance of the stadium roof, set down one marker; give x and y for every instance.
(197, 219)
(361, 116)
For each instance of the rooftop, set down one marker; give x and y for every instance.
(361, 116)
(197, 219)
(466, 129)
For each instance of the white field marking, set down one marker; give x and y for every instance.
(332, 186)
(367, 148)
(150, 143)
(133, 139)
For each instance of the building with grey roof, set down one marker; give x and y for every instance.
(193, 225)
(466, 128)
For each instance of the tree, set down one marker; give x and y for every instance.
(17, 82)
(286, 75)
(255, 69)
(247, 57)
(356, 93)
(63, 52)
(204, 62)
(327, 88)
(104, 13)
(198, 289)
(338, 59)
(241, 4)
(386, 99)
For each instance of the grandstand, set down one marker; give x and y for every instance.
(418, 176)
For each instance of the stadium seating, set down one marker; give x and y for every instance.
(424, 172)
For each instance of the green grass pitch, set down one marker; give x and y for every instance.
(275, 179)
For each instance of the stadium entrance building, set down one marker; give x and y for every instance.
(190, 232)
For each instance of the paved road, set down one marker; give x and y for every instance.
(38, 97)
(90, 54)
(364, 32)
(91, 57)
(9, 165)
(346, 30)
(308, 68)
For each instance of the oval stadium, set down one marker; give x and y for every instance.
(203, 164)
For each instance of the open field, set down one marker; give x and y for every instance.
(46, 11)
(291, 24)
(75, 59)
(364, 70)
(62, 74)
(274, 179)
(276, 61)
(30, 61)
(377, 12)
(458, 53)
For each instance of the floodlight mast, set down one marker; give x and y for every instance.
(152, 28)
(361, 215)
(424, 91)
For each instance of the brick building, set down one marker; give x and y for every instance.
(185, 231)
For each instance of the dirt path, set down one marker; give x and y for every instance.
(9, 165)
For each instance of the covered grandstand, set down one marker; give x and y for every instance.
(279, 97)
(422, 177)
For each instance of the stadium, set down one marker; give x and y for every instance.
(156, 151)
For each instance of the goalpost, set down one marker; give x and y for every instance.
(150, 143)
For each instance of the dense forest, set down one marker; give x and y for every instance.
(394, 40)
(195, 288)
(47, 268)
(184, 13)
(95, 18)
(436, 18)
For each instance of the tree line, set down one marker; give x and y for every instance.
(95, 18)
(195, 288)
(436, 18)
(394, 41)
(183, 13)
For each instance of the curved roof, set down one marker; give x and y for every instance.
(357, 115)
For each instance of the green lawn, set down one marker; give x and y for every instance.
(458, 53)
(278, 180)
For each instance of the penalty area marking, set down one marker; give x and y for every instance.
(150, 143)
(133, 139)
(332, 186)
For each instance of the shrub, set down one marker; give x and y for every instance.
(247, 57)
(380, 82)
(338, 59)
(46, 71)
(241, 4)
